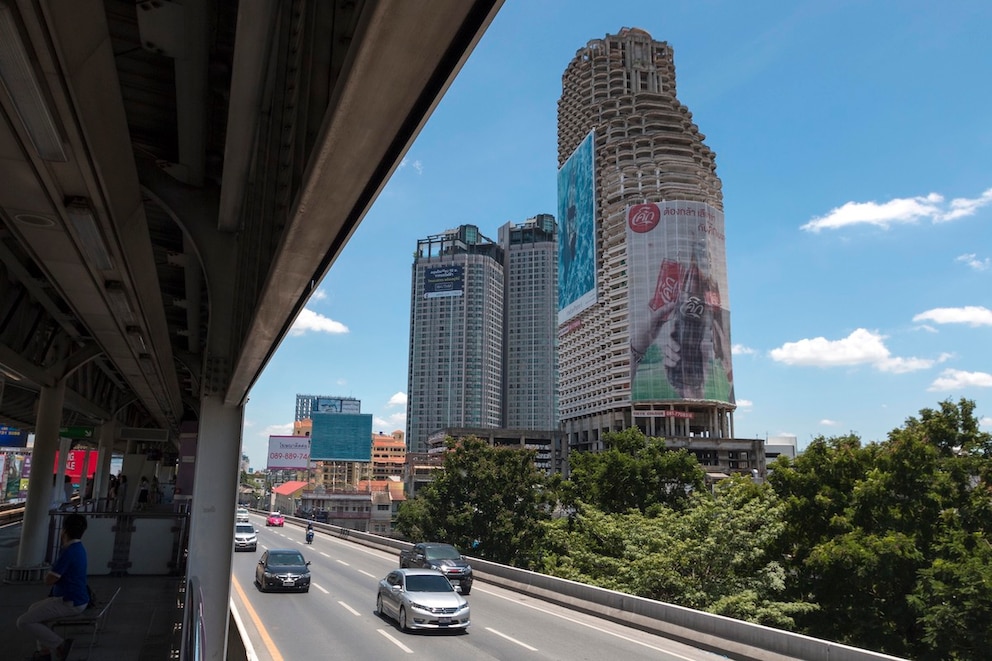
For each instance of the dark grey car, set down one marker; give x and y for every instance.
(282, 569)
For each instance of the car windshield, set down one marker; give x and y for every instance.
(287, 559)
(441, 553)
(428, 583)
(276, 515)
(244, 529)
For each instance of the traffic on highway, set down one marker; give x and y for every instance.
(338, 619)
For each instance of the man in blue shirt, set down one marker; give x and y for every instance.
(68, 596)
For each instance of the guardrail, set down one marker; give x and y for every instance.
(724, 635)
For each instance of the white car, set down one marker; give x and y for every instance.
(245, 537)
(421, 599)
(241, 516)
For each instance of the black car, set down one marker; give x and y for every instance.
(282, 569)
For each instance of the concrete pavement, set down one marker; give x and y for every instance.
(143, 624)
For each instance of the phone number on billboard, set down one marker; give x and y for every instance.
(287, 455)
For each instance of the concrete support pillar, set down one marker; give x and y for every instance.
(34, 529)
(102, 477)
(215, 492)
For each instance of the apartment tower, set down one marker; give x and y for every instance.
(644, 320)
(455, 375)
(530, 367)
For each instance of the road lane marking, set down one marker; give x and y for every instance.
(362, 571)
(349, 609)
(512, 640)
(394, 641)
(326, 555)
(344, 563)
(320, 588)
(257, 621)
(589, 626)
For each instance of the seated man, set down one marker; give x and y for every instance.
(68, 596)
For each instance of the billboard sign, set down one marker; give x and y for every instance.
(678, 305)
(444, 281)
(288, 453)
(74, 464)
(342, 437)
(577, 230)
(337, 405)
(12, 437)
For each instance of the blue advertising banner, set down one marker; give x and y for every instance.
(577, 233)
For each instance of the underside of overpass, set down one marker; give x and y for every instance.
(176, 178)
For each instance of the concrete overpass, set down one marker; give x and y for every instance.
(175, 180)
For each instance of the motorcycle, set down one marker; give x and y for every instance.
(310, 536)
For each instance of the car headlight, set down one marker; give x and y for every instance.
(414, 604)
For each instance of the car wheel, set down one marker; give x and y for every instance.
(378, 605)
(466, 591)
(306, 589)
(403, 626)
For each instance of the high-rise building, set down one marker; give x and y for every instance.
(530, 366)
(455, 374)
(482, 331)
(644, 320)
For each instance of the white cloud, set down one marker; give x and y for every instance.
(741, 350)
(973, 261)
(308, 320)
(318, 295)
(277, 430)
(827, 422)
(399, 399)
(985, 422)
(418, 166)
(862, 347)
(973, 315)
(955, 379)
(962, 206)
(899, 211)
(744, 405)
(390, 423)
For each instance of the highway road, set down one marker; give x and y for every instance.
(336, 619)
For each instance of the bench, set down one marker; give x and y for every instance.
(91, 617)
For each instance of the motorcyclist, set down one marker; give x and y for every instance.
(309, 532)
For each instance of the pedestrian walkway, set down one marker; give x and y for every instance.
(144, 623)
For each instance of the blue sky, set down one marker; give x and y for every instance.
(854, 142)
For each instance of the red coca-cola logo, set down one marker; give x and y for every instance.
(643, 217)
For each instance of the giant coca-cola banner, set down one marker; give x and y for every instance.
(677, 302)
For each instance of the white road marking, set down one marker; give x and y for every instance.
(362, 571)
(326, 555)
(320, 588)
(394, 641)
(589, 626)
(512, 640)
(344, 563)
(349, 608)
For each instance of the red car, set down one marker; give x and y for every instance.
(275, 519)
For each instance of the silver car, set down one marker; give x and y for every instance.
(421, 599)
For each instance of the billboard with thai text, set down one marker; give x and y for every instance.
(577, 230)
(678, 303)
(337, 405)
(444, 281)
(288, 453)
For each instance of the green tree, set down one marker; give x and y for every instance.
(489, 501)
(634, 472)
(874, 535)
(711, 554)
